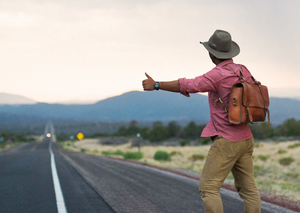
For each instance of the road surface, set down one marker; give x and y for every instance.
(87, 183)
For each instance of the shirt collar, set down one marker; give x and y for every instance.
(229, 61)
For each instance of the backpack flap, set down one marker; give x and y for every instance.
(256, 101)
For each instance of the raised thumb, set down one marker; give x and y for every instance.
(148, 76)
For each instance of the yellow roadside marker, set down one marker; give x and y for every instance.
(80, 136)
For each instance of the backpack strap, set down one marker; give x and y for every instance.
(242, 79)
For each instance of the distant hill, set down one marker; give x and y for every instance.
(152, 106)
(141, 106)
(11, 99)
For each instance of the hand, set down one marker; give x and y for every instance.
(148, 84)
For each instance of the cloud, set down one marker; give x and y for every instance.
(16, 21)
(77, 44)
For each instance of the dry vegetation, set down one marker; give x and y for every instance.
(276, 165)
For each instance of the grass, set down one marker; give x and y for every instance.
(294, 146)
(107, 153)
(116, 153)
(271, 176)
(3, 146)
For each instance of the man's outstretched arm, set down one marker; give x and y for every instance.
(171, 86)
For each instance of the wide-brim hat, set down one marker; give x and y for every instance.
(221, 45)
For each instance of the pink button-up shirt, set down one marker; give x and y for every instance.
(218, 80)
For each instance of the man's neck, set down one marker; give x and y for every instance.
(217, 61)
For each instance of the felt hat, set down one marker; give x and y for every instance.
(221, 45)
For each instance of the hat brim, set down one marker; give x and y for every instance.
(235, 50)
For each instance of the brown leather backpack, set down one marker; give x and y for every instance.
(249, 102)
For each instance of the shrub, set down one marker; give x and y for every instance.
(290, 127)
(289, 186)
(62, 137)
(206, 141)
(2, 145)
(257, 170)
(158, 132)
(175, 153)
(133, 155)
(292, 175)
(257, 145)
(286, 161)
(256, 167)
(95, 151)
(262, 130)
(162, 156)
(281, 151)
(118, 152)
(195, 157)
(183, 143)
(294, 146)
(192, 130)
(260, 170)
(263, 157)
(83, 150)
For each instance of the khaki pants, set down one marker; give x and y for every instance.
(225, 156)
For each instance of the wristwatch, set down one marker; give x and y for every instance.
(156, 85)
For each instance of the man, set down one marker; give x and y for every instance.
(232, 146)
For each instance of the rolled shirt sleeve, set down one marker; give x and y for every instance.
(182, 85)
(204, 83)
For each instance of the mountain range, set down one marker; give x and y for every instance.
(137, 105)
(11, 99)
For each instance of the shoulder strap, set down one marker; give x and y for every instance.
(242, 79)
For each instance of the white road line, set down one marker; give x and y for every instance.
(60, 202)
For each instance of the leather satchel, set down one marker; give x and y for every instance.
(249, 102)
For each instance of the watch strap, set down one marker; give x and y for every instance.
(156, 85)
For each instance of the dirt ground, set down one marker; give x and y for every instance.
(271, 176)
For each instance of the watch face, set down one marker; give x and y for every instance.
(156, 85)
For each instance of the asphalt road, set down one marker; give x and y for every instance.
(96, 184)
(26, 183)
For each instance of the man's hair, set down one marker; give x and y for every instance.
(211, 55)
(223, 59)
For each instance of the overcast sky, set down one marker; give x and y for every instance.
(62, 50)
